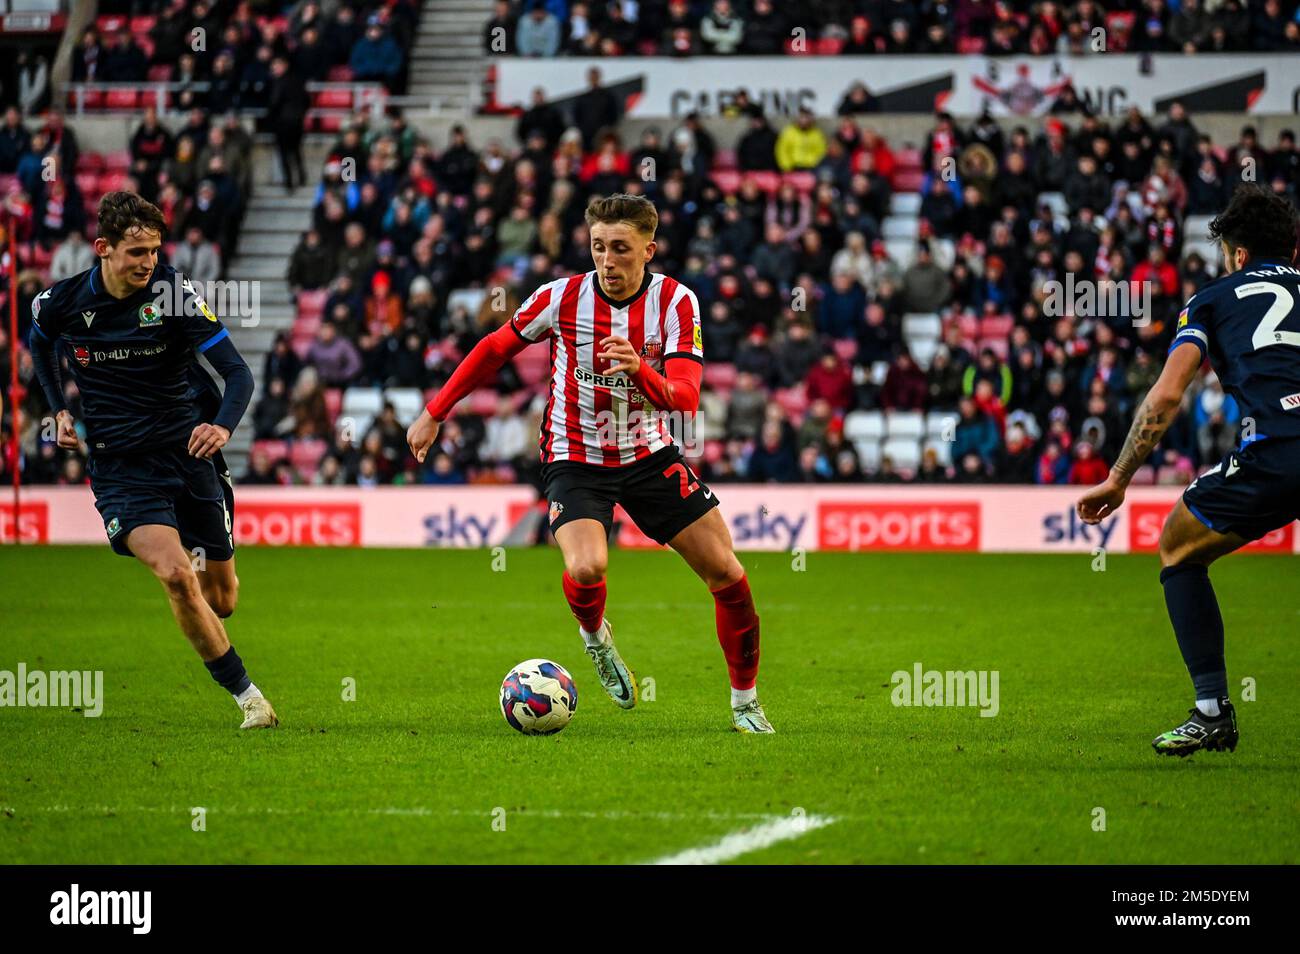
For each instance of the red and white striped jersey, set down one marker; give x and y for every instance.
(591, 416)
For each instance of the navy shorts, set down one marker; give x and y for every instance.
(166, 486)
(661, 494)
(1252, 491)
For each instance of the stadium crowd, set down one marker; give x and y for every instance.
(548, 28)
(803, 306)
(808, 301)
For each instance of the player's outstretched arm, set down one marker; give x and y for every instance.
(208, 438)
(479, 366)
(1157, 411)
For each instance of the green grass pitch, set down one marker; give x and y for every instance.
(417, 768)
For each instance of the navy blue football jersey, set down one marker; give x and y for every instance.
(1248, 323)
(134, 359)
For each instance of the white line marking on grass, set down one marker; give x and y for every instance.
(750, 839)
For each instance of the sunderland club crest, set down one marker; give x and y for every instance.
(82, 354)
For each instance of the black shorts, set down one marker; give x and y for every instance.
(166, 486)
(660, 493)
(1252, 491)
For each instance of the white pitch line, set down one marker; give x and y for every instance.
(750, 839)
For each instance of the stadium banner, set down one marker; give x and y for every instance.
(774, 517)
(659, 87)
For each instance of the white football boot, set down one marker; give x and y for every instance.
(258, 714)
(751, 720)
(618, 680)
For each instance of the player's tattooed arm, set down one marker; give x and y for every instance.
(1157, 412)
(1149, 425)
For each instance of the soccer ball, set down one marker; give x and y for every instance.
(538, 697)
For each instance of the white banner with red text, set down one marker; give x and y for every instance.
(660, 87)
(854, 517)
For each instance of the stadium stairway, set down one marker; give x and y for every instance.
(272, 226)
(447, 58)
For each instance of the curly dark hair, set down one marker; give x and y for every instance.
(1258, 220)
(123, 212)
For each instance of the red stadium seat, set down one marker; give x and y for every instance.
(340, 74)
(305, 327)
(305, 456)
(769, 182)
(330, 123)
(87, 183)
(829, 46)
(128, 99)
(110, 182)
(90, 99)
(804, 181)
(110, 23)
(311, 303)
(970, 45)
(482, 402)
(142, 24)
(275, 450)
(160, 73)
(117, 160)
(332, 99)
(333, 404)
(846, 349)
(965, 321)
(533, 365)
(908, 181)
(1144, 476)
(996, 326)
(301, 343)
(907, 157)
(725, 159)
(719, 376)
(999, 346)
(794, 401)
(728, 180)
(90, 162)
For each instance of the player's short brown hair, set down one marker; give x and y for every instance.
(122, 212)
(636, 210)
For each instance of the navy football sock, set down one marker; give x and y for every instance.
(1194, 611)
(229, 672)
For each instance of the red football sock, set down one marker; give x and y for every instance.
(587, 600)
(738, 632)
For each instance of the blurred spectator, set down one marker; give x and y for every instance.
(538, 33)
(73, 256)
(334, 357)
(801, 144)
(196, 258)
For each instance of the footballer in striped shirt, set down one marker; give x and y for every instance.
(627, 357)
